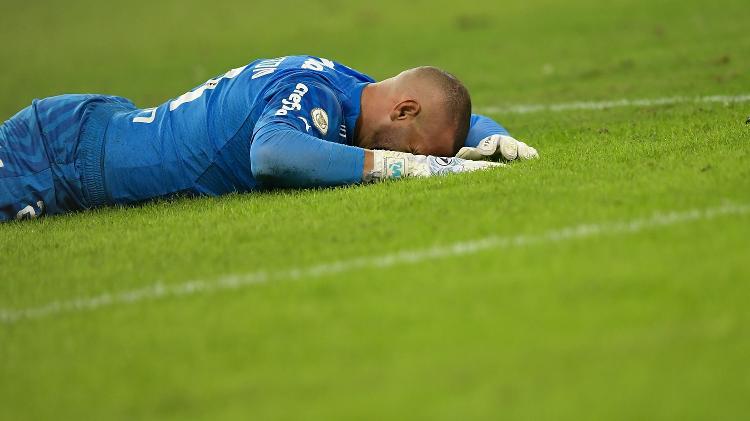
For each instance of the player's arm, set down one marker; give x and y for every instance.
(285, 153)
(487, 139)
(286, 157)
(481, 127)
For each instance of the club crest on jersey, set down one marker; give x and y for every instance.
(320, 120)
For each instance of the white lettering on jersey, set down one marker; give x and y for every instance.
(317, 65)
(293, 102)
(210, 84)
(147, 119)
(266, 67)
(342, 131)
(188, 97)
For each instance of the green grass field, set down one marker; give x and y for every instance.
(649, 321)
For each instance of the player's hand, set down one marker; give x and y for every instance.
(390, 164)
(498, 147)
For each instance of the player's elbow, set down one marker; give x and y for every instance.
(262, 160)
(266, 159)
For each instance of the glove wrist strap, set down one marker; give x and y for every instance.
(389, 165)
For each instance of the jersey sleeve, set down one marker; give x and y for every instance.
(294, 140)
(481, 127)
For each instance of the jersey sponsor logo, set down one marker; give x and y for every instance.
(342, 131)
(307, 125)
(292, 103)
(266, 67)
(320, 120)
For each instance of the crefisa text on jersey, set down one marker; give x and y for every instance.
(292, 103)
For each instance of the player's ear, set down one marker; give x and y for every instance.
(405, 110)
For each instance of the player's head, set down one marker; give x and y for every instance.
(424, 111)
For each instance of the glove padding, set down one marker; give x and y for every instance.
(391, 164)
(498, 147)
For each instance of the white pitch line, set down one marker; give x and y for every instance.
(162, 290)
(601, 105)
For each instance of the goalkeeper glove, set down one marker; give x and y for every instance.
(391, 164)
(498, 147)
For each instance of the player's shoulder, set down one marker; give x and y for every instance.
(299, 87)
(305, 102)
(295, 92)
(276, 69)
(312, 89)
(331, 73)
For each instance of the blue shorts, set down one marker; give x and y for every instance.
(43, 159)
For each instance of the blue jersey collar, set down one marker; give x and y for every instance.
(352, 109)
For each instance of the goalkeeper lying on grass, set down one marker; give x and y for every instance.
(296, 121)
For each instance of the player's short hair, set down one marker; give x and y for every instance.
(457, 100)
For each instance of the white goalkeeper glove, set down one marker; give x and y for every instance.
(390, 164)
(498, 147)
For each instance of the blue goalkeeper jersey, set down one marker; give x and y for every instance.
(201, 142)
(288, 121)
